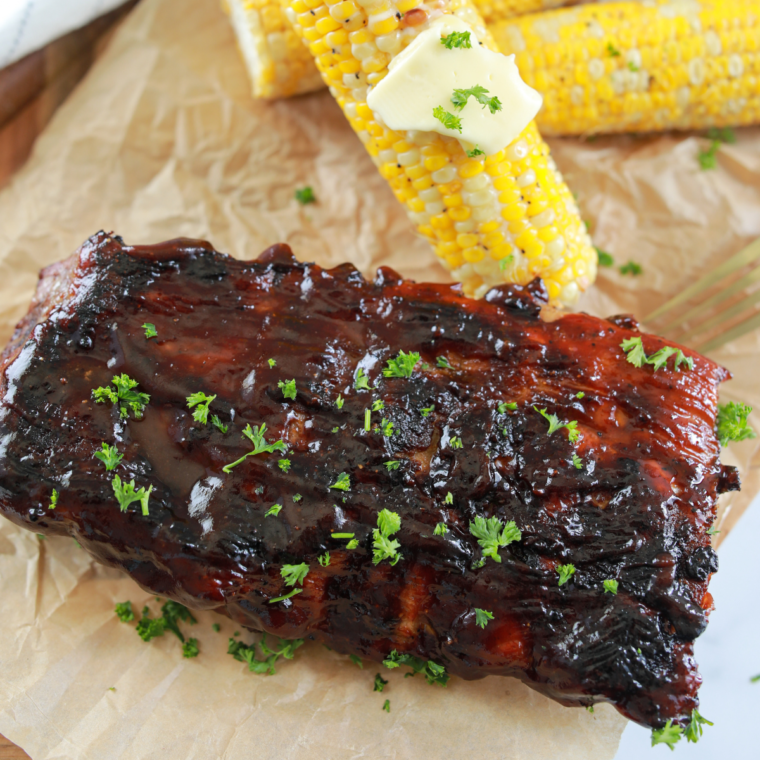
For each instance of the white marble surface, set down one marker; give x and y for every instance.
(728, 655)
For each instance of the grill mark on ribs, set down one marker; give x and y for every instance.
(638, 511)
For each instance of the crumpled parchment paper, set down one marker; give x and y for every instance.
(162, 139)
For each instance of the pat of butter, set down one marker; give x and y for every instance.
(426, 73)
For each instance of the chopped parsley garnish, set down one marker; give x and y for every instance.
(216, 627)
(713, 531)
(635, 354)
(631, 268)
(493, 534)
(402, 366)
(150, 628)
(367, 419)
(565, 573)
(124, 611)
(693, 731)
(449, 498)
(274, 510)
(305, 195)
(460, 98)
(335, 429)
(384, 547)
(433, 672)
(577, 462)
(507, 405)
(425, 411)
(219, 425)
(603, 258)
(244, 653)
(124, 396)
(361, 381)
(286, 596)
(443, 362)
(555, 424)
(284, 465)
(150, 330)
(724, 134)
(456, 443)
(342, 535)
(668, 734)
(612, 51)
(708, 158)
(357, 661)
(392, 464)
(633, 67)
(125, 494)
(53, 499)
(324, 559)
(476, 151)
(447, 119)
(387, 427)
(732, 423)
(297, 497)
(339, 401)
(456, 40)
(260, 446)
(173, 612)
(755, 679)
(580, 394)
(590, 708)
(506, 261)
(272, 363)
(482, 617)
(387, 705)
(352, 544)
(343, 483)
(201, 403)
(288, 388)
(190, 648)
(610, 586)
(378, 405)
(440, 529)
(380, 683)
(294, 573)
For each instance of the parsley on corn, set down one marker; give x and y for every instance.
(507, 217)
(634, 67)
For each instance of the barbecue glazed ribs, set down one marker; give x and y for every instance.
(466, 437)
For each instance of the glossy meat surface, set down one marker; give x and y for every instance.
(636, 510)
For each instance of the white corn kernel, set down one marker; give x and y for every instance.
(431, 195)
(409, 158)
(478, 182)
(463, 227)
(445, 175)
(434, 208)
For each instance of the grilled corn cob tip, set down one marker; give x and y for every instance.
(277, 63)
(633, 66)
(507, 217)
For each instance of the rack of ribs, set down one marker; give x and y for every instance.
(513, 449)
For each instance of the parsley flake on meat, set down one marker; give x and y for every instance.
(150, 330)
(493, 534)
(324, 559)
(565, 573)
(507, 405)
(610, 586)
(260, 446)
(125, 396)
(218, 424)
(199, 402)
(343, 483)
(425, 411)
(294, 573)
(402, 366)
(53, 499)
(286, 596)
(440, 529)
(555, 424)
(361, 381)
(482, 617)
(274, 510)
(635, 354)
(384, 547)
(433, 672)
(126, 494)
(284, 465)
(392, 464)
(288, 388)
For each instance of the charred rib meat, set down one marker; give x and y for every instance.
(458, 460)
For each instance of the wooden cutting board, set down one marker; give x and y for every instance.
(30, 92)
(32, 89)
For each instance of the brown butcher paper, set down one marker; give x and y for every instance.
(161, 140)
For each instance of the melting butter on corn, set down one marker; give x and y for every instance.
(425, 75)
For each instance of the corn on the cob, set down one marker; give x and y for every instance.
(279, 68)
(277, 62)
(507, 217)
(632, 66)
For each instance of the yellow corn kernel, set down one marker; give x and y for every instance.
(470, 169)
(452, 200)
(473, 255)
(514, 211)
(459, 213)
(467, 240)
(343, 11)
(433, 163)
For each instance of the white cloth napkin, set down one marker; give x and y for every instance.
(28, 25)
